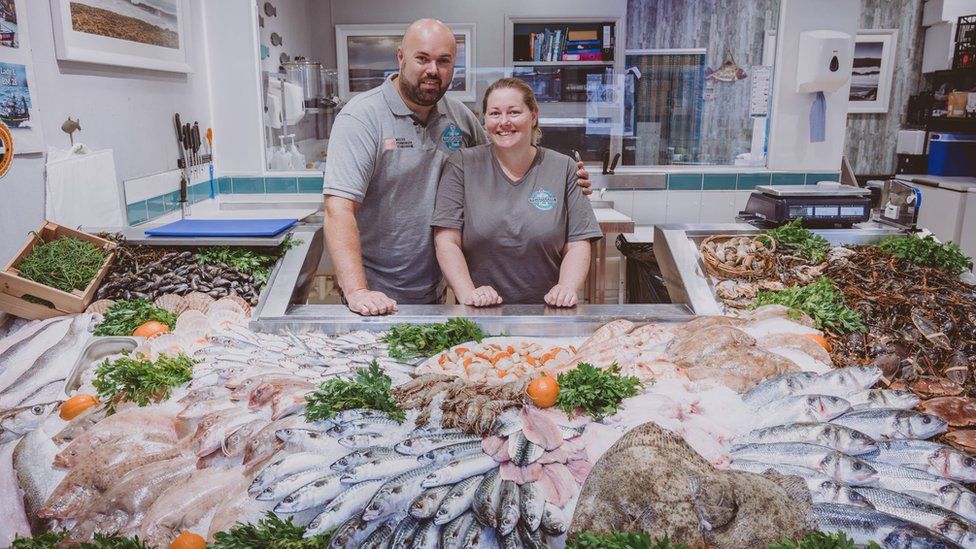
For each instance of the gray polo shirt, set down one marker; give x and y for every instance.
(513, 232)
(382, 157)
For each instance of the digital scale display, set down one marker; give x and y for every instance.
(824, 212)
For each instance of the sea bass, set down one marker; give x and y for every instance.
(801, 408)
(917, 511)
(838, 437)
(865, 526)
(778, 387)
(887, 423)
(932, 457)
(830, 462)
(883, 398)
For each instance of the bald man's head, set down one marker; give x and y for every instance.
(426, 55)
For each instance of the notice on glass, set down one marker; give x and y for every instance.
(759, 94)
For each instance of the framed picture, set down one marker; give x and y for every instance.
(18, 97)
(146, 34)
(874, 60)
(366, 55)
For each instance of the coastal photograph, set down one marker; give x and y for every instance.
(153, 22)
(866, 75)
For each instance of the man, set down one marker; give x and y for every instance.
(386, 152)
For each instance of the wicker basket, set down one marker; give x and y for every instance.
(764, 255)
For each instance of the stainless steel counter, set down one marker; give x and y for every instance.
(283, 306)
(676, 249)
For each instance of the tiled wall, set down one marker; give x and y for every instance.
(144, 210)
(264, 185)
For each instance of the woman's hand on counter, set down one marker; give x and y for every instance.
(561, 296)
(483, 296)
(368, 302)
(583, 178)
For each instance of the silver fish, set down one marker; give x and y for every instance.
(508, 512)
(428, 502)
(49, 367)
(416, 446)
(396, 492)
(507, 425)
(235, 442)
(828, 491)
(458, 500)
(887, 423)
(554, 520)
(288, 485)
(474, 535)
(928, 487)
(460, 469)
(344, 506)
(428, 534)
(840, 438)
(317, 493)
(20, 421)
(404, 532)
(778, 387)
(844, 381)
(355, 442)
(932, 457)
(354, 414)
(820, 458)
(360, 456)
(531, 539)
(522, 451)
(445, 454)
(359, 426)
(351, 533)
(486, 499)
(809, 475)
(802, 408)
(865, 526)
(883, 398)
(913, 509)
(381, 537)
(15, 359)
(533, 504)
(453, 531)
(308, 440)
(288, 465)
(381, 467)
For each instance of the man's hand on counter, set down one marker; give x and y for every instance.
(583, 178)
(484, 296)
(369, 303)
(561, 296)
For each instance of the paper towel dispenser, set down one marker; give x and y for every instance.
(823, 61)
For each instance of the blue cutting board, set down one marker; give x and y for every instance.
(223, 227)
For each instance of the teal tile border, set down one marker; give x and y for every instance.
(225, 185)
(685, 182)
(788, 178)
(136, 212)
(310, 185)
(813, 178)
(163, 204)
(719, 182)
(280, 185)
(248, 185)
(748, 181)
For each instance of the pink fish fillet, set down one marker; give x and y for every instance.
(560, 418)
(558, 484)
(559, 455)
(539, 429)
(575, 448)
(580, 469)
(496, 447)
(510, 471)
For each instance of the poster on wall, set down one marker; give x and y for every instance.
(873, 71)
(146, 34)
(8, 24)
(366, 56)
(18, 98)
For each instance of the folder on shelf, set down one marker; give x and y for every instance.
(579, 35)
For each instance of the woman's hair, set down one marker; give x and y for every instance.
(528, 96)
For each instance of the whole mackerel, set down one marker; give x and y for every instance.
(486, 498)
(360, 456)
(344, 506)
(318, 493)
(396, 493)
(458, 500)
(460, 469)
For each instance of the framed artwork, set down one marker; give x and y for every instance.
(873, 72)
(874, 69)
(146, 34)
(366, 55)
(18, 105)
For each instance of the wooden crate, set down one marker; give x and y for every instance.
(13, 288)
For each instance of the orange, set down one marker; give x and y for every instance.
(76, 405)
(821, 340)
(188, 540)
(543, 391)
(150, 329)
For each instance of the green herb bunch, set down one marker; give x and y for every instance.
(597, 392)
(51, 540)
(123, 317)
(139, 379)
(929, 252)
(412, 340)
(369, 388)
(245, 261)
(800, 241)
(821, 300)
(821, 540)
(620, 540)
(67, 263)
(269, 533)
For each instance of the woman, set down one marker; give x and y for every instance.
(510, 223)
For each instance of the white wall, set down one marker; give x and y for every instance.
(292, 22)
(127, 110)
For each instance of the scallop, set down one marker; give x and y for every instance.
(221, 318)
(100, 306)
(245, 306)
(170, 344)
(194, 325)
(224, 304)
(171, 302)
(198, 301)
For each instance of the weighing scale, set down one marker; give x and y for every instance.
(825, 204)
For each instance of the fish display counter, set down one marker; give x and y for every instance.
(297, 424)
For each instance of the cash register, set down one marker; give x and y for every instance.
(824, 205)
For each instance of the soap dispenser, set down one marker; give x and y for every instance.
(824, 61)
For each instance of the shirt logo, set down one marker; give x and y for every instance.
(391, 143)
(452, 137)
(543, 200)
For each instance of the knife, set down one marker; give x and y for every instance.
(179, 138)
(196, 143)
(606, 161)
(613, 165)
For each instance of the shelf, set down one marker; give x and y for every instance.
(561, 63)
(952, 73)
(952, 125)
